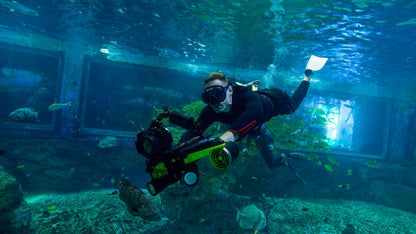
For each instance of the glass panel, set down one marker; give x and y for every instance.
(27, 86)
(124, 96)
(355, 125)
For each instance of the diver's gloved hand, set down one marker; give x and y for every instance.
(308, 73)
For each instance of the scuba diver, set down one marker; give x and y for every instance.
(247, 111)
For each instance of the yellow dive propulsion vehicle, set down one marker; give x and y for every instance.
(167, 164)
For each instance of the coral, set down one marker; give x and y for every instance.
(14, 213)
(10, 194)
(193, 109)
(137, 201)
(98, 211)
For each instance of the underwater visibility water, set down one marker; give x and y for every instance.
(79, 79)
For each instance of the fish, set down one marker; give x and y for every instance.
(21, 166)
(138, 204)
(321, 145)
(107, 142)
(304, 208)
(135, 101)
(317, 136)
(18, 77)
(319, 120)
(18, 7)
(251, 218)
(59, 106)
(318, 164)
(24, 114)
(333, 161)
(168, 53)
(349, 172)
(312, 156)
(344, 186)
(52, 208)
(319, 111)
(373, 164)
(305, 137)
(329, 168)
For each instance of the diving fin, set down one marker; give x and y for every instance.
(289, 165)
(238, 215)
(315, 63)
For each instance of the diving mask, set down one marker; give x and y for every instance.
(214, 94)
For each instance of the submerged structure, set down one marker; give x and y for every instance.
(79, 79)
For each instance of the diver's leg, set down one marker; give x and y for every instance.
(285, 104)
(299, 95)
(264, 142)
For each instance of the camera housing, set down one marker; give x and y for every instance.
(168, 164)
(154, 141)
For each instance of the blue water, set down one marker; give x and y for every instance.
(117, 61)
(368, 43)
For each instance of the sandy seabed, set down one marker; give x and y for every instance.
(101, 211)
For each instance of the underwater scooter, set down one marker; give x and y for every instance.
(168, 164)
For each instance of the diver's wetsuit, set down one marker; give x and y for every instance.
(248, 113)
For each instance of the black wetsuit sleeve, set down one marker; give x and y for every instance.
(251, 116)
(204, 120)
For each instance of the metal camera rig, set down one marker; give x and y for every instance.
(168, 164)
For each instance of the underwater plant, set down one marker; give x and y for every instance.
(193, 109)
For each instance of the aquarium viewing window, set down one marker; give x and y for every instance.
(122, 97)
(357, 126)
(30, 81)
